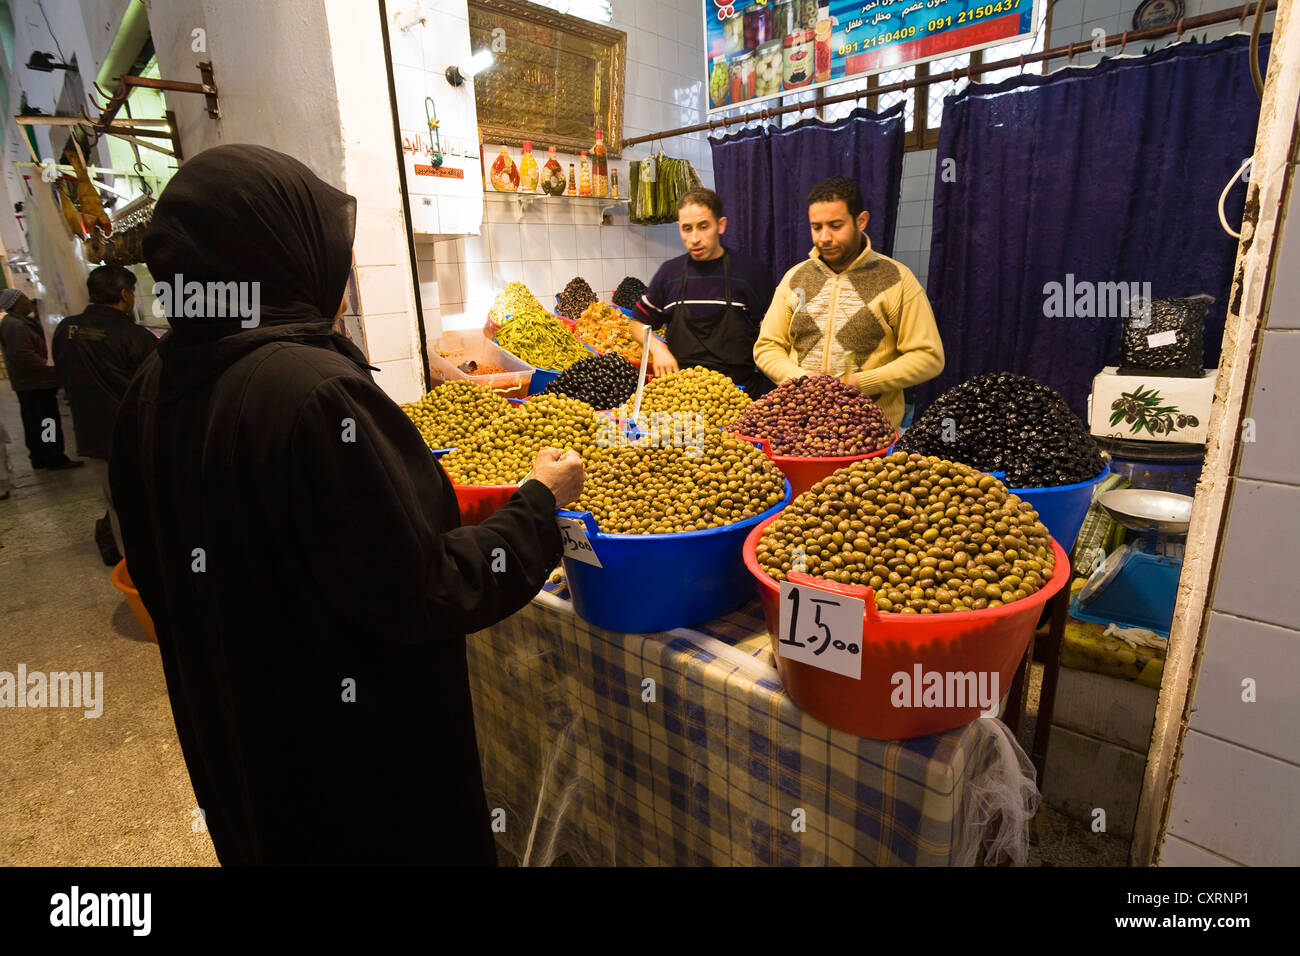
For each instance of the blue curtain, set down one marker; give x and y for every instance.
(764, 176)
(1110, 173)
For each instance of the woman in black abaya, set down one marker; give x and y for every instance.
(298, 547)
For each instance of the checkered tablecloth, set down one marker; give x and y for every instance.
(720, 767)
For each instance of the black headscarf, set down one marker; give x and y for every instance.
(246, 213)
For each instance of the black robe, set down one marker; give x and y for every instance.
(298, 548)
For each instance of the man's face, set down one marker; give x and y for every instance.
(835, 232)
(22, 306)
(701, 233)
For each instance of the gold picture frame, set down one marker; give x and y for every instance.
(555, 81)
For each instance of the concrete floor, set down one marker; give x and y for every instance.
(77, 790)
(113, 790)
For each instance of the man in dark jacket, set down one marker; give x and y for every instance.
(96, 353)
(34, 380)
(299, 548)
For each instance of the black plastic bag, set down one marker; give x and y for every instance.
(1165, 337)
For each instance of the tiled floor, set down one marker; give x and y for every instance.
(113, 790)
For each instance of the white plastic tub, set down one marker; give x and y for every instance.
(471, 345)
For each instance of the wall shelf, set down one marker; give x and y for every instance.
(605, 204)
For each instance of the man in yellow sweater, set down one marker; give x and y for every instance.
(849, 311)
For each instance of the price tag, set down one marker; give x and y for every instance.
(1158, 339)
(821, 628)
(576, 544)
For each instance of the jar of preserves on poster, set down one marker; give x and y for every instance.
(758, 24)
(785, 19)
(807, 14)
(822, 44)
(797, 59)
(733, 35)
(742, 78)
(768, 66)
(719, 82)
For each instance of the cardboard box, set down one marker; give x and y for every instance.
(1151, 407)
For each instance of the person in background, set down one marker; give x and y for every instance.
(711, 299)
(34, 380)
(96, 353)
(299, 549)
(849, 311)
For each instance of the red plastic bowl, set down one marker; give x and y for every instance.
(477, 502)
(989, 641)
(806, 472)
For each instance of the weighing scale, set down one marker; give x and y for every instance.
(1137, 584)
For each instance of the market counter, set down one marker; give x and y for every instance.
(681, 748)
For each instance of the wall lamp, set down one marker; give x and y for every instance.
(458, 74)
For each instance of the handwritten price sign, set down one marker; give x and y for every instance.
(576, 544)
(821, 628)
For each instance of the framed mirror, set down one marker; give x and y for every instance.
(556, 79)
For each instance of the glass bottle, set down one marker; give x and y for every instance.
(505, 174)
(822, 44)
(573, 183)
(613, 183)
(528, 172)
(584, 175)
(599, 167)
(552, 175)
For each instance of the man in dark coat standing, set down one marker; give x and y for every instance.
(34, 380)
(96, 353)
(298, 546)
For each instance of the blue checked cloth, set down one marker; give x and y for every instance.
(721, 768)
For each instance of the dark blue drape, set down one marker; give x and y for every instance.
(1109, 174)
(764, 176)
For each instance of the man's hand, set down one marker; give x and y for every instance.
(850, 378)
(664, 362)
(562, 472)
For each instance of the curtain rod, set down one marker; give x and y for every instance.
(1069, 50)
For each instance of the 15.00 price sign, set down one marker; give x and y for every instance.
(821, 628)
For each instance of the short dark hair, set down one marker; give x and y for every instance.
(107, 283)
(699, 196)
(838, 188)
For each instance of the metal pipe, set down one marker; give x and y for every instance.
(1069, 50)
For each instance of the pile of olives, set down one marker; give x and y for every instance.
(601, 381)
(816, 416)
(693, 391)
(1008, 423)
(643, 489)
(503, 452)
(452, 412)
(930, 536)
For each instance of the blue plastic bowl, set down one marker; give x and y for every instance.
(656, 582)
(541, 378)
(1063, 507)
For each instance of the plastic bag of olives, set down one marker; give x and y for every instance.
(1165, 337)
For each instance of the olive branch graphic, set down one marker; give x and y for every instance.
(1144, 408)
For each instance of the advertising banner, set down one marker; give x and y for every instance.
(763, 48)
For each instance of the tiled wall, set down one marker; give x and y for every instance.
(915, 213)
(1234, 801)
(550, 242)
(1074, 20)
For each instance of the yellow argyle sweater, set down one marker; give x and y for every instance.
(873, 317)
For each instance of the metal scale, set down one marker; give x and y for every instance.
(1137, 584)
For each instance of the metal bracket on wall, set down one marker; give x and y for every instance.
(128, 130)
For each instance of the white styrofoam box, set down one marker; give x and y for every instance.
(402, 380)
(1190, 396)
(384, 289)
(388, 336)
